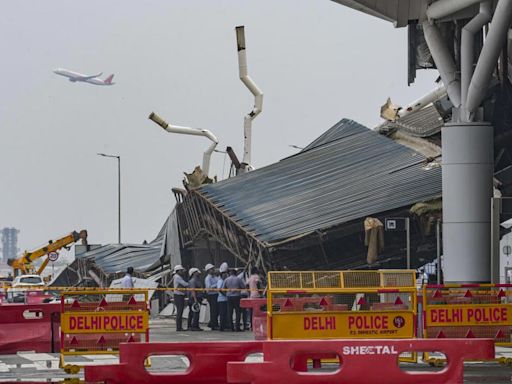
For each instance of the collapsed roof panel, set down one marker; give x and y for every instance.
(114, 258)
(423, 123)
(347, 173)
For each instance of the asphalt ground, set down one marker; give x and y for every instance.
(44, 367)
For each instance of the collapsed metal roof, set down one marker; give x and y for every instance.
(112, 258)
(349, 172)
(165, 248)
(423, 123)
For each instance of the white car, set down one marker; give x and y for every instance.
(22, 284)
(28, 281)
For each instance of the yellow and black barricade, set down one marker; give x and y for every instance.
(96, 321)
(468, 311)
(377, 304)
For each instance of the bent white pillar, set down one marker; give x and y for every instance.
(467, 190)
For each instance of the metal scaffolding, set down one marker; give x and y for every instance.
(198, 218)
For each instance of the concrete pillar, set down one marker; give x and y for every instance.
(468, 163)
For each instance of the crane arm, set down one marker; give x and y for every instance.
(24, 261)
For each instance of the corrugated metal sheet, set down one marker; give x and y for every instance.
(348, 173)
(424, 123)
(342, 129)
(112, 258)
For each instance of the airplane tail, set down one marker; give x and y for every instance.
(108, 80)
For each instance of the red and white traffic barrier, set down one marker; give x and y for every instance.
(361, 362)
(29, 327)
(208, 362)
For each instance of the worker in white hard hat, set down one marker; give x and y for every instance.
(210, 283)
(223, 267)
(179, 283)
(222, 300)
(195, 298)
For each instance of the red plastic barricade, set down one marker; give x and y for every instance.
(362, 361)
(259, 316)
(36, 297)
(208, 362)
(29, 327)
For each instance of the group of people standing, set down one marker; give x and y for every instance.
(222, 288)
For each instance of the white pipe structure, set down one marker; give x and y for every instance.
(443, 8)
(489, 56)
(444, 62)
(190, 131)
(468, 50)
(423, 101)
(258, 97)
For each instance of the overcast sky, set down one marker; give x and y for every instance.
(316, 62)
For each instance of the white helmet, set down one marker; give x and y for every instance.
(178, 267)
(208, 266)
(191, 271)
(223, 267)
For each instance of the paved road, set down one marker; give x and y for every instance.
(43, 366)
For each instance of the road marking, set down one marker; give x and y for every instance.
(4, 367)
(38, 356)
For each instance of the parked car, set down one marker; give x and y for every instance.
(21, 284)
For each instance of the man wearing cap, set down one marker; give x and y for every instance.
(194, 299)
(179, 284)
(210, 283)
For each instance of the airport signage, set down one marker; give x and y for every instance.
(395, 224)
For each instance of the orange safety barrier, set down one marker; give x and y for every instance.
(208, 362)
(468, 311)
(361, 361)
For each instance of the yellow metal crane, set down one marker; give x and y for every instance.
(24, 262)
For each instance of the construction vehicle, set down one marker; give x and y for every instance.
(24, 263)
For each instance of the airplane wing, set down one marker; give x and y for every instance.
(89, 77)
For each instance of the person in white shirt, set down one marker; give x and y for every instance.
(127, 281)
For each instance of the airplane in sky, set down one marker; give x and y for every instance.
(91, 79)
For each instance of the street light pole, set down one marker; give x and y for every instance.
(118, 193)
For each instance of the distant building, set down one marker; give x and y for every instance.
(9, 246)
